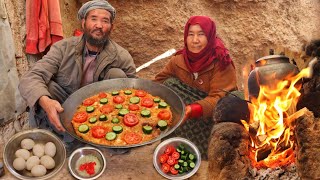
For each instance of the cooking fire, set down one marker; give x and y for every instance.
(271, 125)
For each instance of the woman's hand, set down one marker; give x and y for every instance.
(192, 111)
(52, 109)
(187, 113)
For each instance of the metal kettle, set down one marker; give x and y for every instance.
(268, 71)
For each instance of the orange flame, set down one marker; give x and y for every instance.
(269, 126)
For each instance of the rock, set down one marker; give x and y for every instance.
(8, 132)
(307, 134)
(228, 152)
(231, 109)
(1, 169)
(16, 125)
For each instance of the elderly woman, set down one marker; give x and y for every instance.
(200, 73)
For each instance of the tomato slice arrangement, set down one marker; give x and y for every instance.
(122, 117)
(147, 102)
(98, 131)
(102, 95)
(163, 158)
(118, 99)
(88, 102)
(177, 160)
(134, 107)
(130, 119)
(165, 167)
(132, 138)
(164, 114)
(173, 170)
(80, 117)
(105, 109)
(141, 93)
(175, 155)
(169, 150)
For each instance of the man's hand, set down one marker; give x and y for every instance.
(52, 108)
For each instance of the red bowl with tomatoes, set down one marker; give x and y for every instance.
(176, 158)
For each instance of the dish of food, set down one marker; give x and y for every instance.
(88, 165)
(35, 157)
(123, 117)
(176, 160)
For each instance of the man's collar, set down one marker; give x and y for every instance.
(90, 53)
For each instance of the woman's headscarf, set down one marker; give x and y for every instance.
(214, 49)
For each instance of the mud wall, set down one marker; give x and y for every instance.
(248, 27)
(149, 28)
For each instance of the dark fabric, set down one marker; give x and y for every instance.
(195, 130)
(215, 48)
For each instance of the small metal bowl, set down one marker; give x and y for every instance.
(175, 142)
(39, 136)
(81, 152)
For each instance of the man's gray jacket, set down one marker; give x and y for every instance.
(60, 70)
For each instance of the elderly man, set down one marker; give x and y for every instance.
(75, 62)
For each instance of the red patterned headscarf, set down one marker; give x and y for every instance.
(214, 49)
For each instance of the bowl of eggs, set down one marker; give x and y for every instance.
(35, 153)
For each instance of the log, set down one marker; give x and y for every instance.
(228, 153)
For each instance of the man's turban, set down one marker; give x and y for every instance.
(96, 4)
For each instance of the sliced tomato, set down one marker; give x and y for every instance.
(163, 158)
(134, 107)
(105, 109)
(147, 102)
(173, 171)
(132, 138)
(165, 167)
(130, 119)
(164, 115)
(118, 99)
(171, 161)
(98, 131)
(175, 155)
(80, 117)
(102, 95)
(141, 93)
(88, 102)
(169, 150)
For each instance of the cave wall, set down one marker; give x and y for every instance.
(147, 29)
(248, 27)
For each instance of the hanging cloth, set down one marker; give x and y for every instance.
(43, 24)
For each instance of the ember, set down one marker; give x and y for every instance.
(270, 125)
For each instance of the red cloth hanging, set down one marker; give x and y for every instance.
(43, 24)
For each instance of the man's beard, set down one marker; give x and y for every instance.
(98, 42)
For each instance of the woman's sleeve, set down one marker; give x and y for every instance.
(222, 80)
(166, 72)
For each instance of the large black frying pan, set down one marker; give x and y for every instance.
(156, 89)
